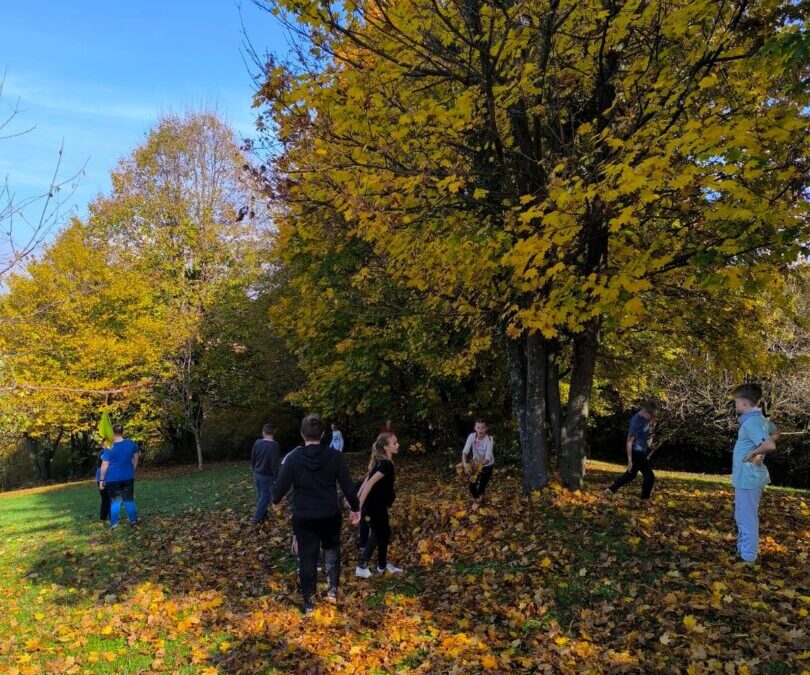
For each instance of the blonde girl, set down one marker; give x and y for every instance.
(376, 496)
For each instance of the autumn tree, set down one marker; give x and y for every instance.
(546, 166)
(183, 209)
(77, 336)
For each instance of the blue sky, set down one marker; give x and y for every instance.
(97, 74)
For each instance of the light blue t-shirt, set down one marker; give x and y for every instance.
(754, 428)
(120, 458)
(337, 441)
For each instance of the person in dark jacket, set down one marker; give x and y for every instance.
(314, 470)
(264, 462)
(104, 509)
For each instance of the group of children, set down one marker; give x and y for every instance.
(308, 477)
(309, 474)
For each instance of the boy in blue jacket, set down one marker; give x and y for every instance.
(756, 438)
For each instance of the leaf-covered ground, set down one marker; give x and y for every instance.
(560, 583)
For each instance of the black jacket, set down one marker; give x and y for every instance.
(314, 470)
(264, 457)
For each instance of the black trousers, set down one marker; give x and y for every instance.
(639, 463)
(478, 486)
(363, 532)
(104, 510)
(312, 535)
(379, 537)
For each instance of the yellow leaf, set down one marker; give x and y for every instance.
(489, 662)
(692, 624)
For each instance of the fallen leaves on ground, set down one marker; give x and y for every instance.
(556, 583)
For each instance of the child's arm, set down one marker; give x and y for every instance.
(282, 485)
(629, 446)
(765, 448)
(467, 450)
(105, 464)
(346, 484)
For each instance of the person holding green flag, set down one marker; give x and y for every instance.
(105, 431)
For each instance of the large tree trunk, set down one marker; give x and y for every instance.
(535, 454)
(553, 400)
(575, 439)
(527, 376)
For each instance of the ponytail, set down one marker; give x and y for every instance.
(378, 450)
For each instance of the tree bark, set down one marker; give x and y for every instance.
(575, 439)
(527, 375)
(535, 453)
(198, 445)
(553, 400)
(517, 381)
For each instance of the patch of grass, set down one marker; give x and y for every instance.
(414, 658)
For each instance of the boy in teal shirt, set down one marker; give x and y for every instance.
(755, 439)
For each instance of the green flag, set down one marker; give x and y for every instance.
(105, 430)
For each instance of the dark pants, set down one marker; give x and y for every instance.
(639, 463)
(379, 536)
(264, 485)
(481, 480)
(312, 535)
(104, 510)
(363, 532)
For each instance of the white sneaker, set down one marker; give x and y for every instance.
(362, 572)
(390, 569)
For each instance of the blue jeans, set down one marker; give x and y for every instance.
(264, 486)
(746, 513)
(122, 491)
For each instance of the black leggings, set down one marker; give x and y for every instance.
(379, 536)
(639, 463)
(104, 509)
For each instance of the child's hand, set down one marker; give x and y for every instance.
(757, 460)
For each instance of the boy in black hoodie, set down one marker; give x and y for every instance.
(314, 470)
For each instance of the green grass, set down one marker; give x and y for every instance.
(64, 576)
(56, 553)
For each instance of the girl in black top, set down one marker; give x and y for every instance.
(376, 496)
